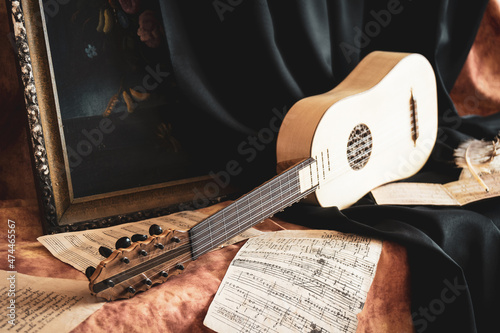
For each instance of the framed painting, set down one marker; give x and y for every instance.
(104, 113)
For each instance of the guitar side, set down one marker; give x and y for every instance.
(379, 125)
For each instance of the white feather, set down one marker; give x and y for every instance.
(479, 157)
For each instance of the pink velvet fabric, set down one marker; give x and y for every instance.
(476, 89)
(181, 303)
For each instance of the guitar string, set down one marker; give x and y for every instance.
(270, 206)
(326, 179)
(345, 169)
(203, 239)
(250, 212)
(248, 197)
(250, 223)
(234, 228)
(341, 172)
(124, 277)
(187, 257)
(237, 228)
(355, 152)
(271, 193)
(247, 224)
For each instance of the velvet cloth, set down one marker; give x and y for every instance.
(181, 303)
(476, 89)
(236, 61)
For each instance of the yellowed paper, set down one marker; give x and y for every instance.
(457, 193)
(413, 194)
(81, 249)
(469, 190)
(296, 281)
(38, 304)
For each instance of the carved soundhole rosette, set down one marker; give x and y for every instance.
(359, 146)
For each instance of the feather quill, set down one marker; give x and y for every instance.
(479, 157)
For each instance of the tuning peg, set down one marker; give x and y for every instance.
(131, 290)
(125, 260)
(139, 237)
(89, 271)
(148, 282)
(123, 243)
(155, 229)
(105, 251)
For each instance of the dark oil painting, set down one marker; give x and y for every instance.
(116, 94)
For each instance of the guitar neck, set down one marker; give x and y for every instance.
(264, 201)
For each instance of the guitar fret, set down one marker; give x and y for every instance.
(280, 186)
(210, 233)
(223, 220)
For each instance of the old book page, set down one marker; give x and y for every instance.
(457, 193)
(296, 281)
(40, 304)
(80, 249)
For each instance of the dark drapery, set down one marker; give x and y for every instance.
(242, 63)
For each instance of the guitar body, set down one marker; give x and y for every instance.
(379, 125)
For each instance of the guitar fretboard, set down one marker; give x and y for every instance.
(252, 208)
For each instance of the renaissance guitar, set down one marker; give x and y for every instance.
(378, 125)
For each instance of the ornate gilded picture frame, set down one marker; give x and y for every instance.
(103, 113)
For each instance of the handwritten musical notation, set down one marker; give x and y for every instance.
(457, 193)
(44, 305)
(296, 281)
(81, 249)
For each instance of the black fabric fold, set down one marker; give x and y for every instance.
(236, 61)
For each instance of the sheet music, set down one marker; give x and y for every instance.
(457, 193)
(296, 281)
(413, 194)
(468, 190)
(41, 304)
(80, 249)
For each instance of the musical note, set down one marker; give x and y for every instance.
(296, 281)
